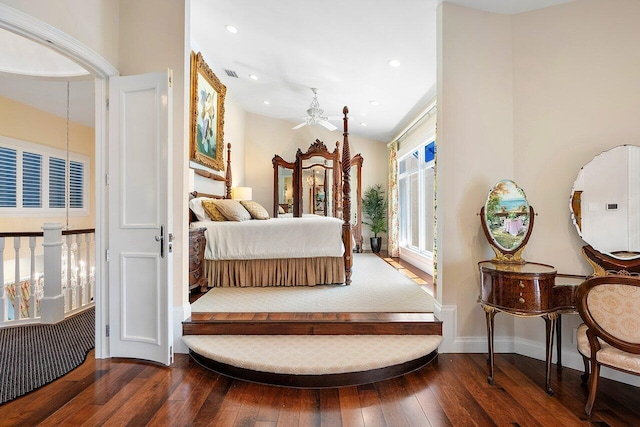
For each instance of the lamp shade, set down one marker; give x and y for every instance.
(241, 193)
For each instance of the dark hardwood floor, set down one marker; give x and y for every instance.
(452, 390)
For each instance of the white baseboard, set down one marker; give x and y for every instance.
(180, 314)
(451, 343)
(570, 359)
(417, 259)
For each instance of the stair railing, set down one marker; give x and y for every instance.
(53, 275)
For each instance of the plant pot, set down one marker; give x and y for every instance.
(376, 244)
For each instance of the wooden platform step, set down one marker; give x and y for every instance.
(340, 323)
(313, 360)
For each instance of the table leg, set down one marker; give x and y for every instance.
(559, 342)
(490, 314)
(550, 320)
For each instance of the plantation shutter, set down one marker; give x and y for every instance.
(76, 185)
(57, 183)
(8, 178)
(31, 180)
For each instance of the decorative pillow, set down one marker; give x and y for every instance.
(255, 209)
(212, 210)
(281, 210)
(196, 207)
(232, 210)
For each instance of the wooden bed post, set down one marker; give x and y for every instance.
(346, 200)
(228, 173)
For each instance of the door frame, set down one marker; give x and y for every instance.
(25, 25)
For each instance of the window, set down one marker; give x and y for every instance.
(416, 199)
(35, 180)
(7, 177)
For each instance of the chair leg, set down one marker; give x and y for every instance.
(593, 387)
(585, 377)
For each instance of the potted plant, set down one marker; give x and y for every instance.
(374, 207)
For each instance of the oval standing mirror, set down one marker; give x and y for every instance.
(605, 202)
(507, 221)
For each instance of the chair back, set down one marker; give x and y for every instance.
(610, 307)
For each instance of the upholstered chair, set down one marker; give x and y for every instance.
(610, 335)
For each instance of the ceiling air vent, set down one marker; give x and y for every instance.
(231, 73)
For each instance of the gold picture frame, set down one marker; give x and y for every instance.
(207, 115)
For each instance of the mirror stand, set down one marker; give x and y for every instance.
(604, 264)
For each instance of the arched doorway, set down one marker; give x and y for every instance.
(43, 34)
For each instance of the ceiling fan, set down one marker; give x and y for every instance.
(315, 114)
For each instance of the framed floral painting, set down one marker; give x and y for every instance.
(207, 115)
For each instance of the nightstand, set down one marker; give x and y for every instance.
(197, 241)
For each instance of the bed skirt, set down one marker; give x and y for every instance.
(275, 272)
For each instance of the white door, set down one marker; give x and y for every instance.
(139, 219)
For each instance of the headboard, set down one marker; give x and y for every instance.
(227, 179)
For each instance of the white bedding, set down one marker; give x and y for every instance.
(306, 237)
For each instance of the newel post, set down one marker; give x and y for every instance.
(52, 303)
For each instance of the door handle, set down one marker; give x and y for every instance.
(160, 239)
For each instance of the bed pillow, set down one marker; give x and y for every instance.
(233, 210)
(212, 210)
(281, 210)
(255, 209)
(198, 210)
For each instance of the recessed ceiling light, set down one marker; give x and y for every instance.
(374, 102)
(232, 29)
(363, 124)
(253, 77)
(394, 63)
(266, 103)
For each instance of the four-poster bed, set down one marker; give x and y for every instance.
(303, 251)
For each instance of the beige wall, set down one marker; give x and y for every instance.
(474, 137)
(266, 137)
(25, 123)
(152, 38)
(235, 122)
(93, 22)
(576, 94)
(234, 131)
(532, 97)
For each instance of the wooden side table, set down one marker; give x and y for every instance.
(197, 241)
(524, 290)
